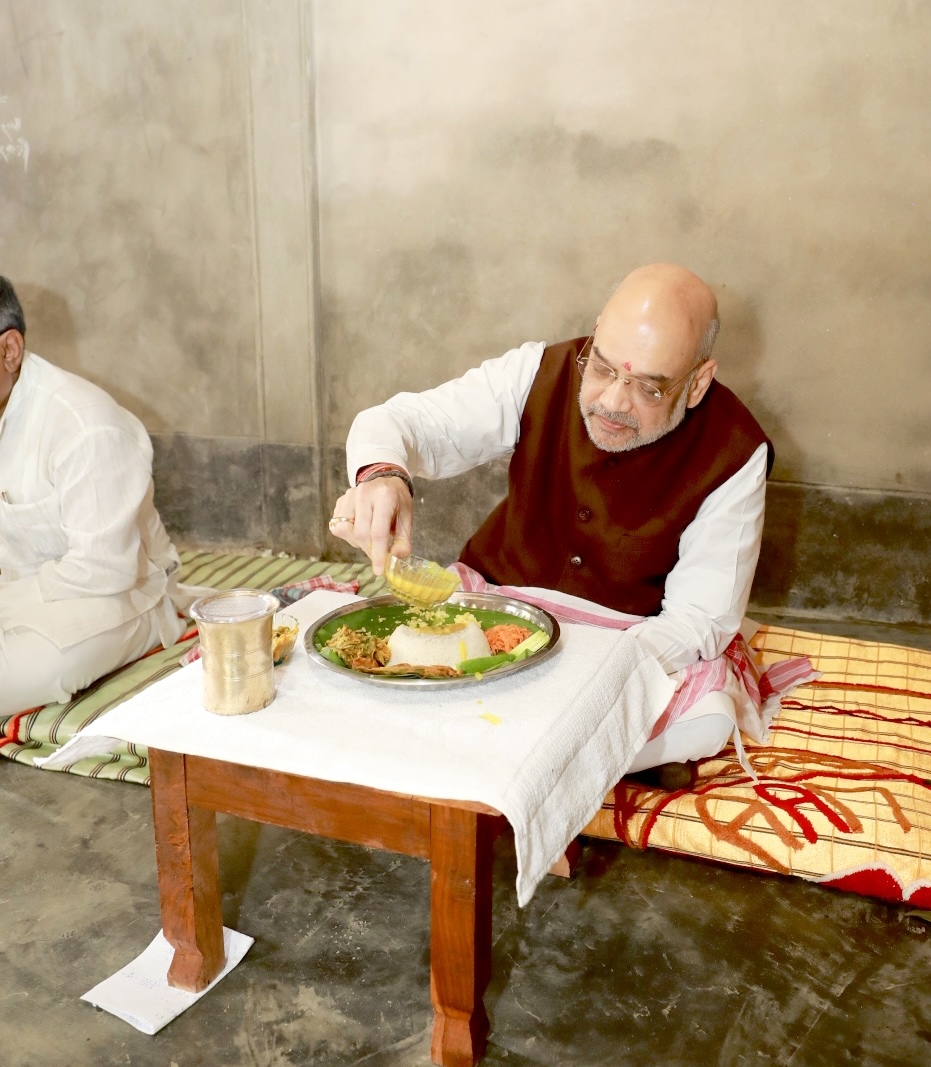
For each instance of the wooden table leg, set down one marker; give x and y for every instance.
(188, 876)
(460, 932)
(565, 865)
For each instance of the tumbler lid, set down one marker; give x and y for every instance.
(234, 605)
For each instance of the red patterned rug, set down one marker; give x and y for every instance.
(844, 790)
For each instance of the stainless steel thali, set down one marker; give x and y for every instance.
(483, 601)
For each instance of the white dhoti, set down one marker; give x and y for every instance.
(699, 733)
(704, 730)
(36, 670)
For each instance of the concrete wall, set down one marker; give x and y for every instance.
(252, 220)
(157, 216)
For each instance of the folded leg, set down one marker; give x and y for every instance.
(35, 671)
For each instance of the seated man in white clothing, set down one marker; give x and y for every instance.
(636, 480)
(86, 567)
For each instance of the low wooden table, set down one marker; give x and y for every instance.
(456, 837)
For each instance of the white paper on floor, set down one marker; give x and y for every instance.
(139, 993)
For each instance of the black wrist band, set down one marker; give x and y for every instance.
(403, 475)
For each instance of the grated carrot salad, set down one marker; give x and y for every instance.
(505, 636)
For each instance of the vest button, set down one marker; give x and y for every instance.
(584, 515)
(576, 561)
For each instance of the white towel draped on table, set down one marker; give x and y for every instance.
(542, 746)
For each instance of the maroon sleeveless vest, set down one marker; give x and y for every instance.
(600, 525)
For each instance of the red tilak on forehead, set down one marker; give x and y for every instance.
(627, 366)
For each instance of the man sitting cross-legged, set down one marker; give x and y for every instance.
(87, 572)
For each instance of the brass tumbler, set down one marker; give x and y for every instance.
(235, 629)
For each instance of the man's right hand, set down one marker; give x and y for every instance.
(378, 517)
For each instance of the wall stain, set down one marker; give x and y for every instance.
(598, 158)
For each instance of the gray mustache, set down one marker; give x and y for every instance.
(620, 418)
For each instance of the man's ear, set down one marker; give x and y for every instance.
(701, 381)
(12, 346)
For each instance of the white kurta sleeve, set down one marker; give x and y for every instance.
(102, 481)
(708, 588)
(452, 428)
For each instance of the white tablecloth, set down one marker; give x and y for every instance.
(542, 745)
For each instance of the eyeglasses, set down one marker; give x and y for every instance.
(644, 390)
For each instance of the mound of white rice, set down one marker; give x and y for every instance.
(425, 649)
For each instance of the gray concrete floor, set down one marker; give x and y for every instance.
(641, 959)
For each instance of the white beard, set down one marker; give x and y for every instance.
(620, 418)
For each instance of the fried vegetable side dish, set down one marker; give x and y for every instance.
(359, 649)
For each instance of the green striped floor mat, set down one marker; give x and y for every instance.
(38, 733)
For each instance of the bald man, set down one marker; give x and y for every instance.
(636, 480)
